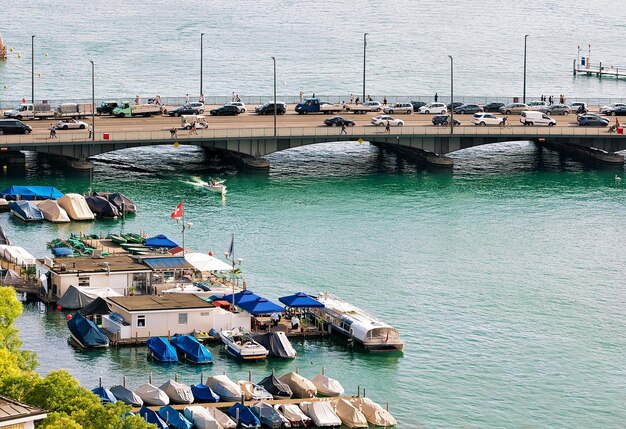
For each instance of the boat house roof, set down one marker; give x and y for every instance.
(159, 303)
(114, 263)
(168, 263)
(13, 411)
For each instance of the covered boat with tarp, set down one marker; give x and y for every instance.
(97, 307)
(105, 395)
(76, 207)
(101, 207)
(17, 255)
(294, 414)
(152, 395)
(243, 416)
(178, 393)
(254, 392)
(174, 418)
(226, 388)
(267, 415)
(31, 193)
(349, 415)
(374, 413)
(76, 298)
(277, 388)
(86, 333)
(327, 386)
(203, 393)
(201, 417)
(322, 413)
(4, 238)
(160, 241)
(222, 418)
(121, 202)
(191, 349)
(161, 349)
(152, 417)
(276, 343)
(300, 386)
(127, 396)
(52, 211)
(26, 211)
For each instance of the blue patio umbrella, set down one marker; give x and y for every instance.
(260, 306)
(300, 300)
(241, 297)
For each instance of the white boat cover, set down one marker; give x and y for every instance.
(178, 393)
(76, 207)
(226, 388)
(222, 418)
(201, 418)
(321, 413)
(327, 386)
(294, 414)
(203, 262)
(152, 395)
(349, 415)
(300, 386)
(52, 211)
(253, 391)
(126, 395)
(16, 254)
(374, 413)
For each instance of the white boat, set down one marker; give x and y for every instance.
(321, 412)
(224, 387)
(373, 334)
(254, 392)
(76, 207)
(294, 414)
(222, 418)
(327, 386)
(152, 395)
(201, 418)
(285, 421)
(374, 413)
(241, 345)
(300, 386)
(178, 393)
(216, 186)
(349, 415)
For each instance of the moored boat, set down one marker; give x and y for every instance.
(191, 349)
(76, 207)
(216, 186)
(294, 414)
(152, 417)
(105, 395)
(203, 393)
(243, 416)
(349, 415)
(101, 207)
(161, 349)
(124, 394)
(52, 211)
(277, 344)
(201, 417)
(277, 388)
(242, 346)
(267, 415)
(374, 413)
(327, 386)
(223, 386)
(254, 392)
(86, 333)
(121, 202)
(177, 392)
(117, 239)
(222, 418)
(26, 211)
(173, 418)
(152, 395)
(300, 386)
(321, 413)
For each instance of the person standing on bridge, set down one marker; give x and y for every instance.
(343, 129)
(136, 99)
(385, 101)
(173, 133)
(301, 96)
(201, 99)
(388, 127)
(90, 129)
(53, 132)
(436, 97)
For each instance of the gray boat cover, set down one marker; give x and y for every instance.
(74, 299)
(227, 389)
(126, 395)
(152, 395)
(222, 418)
(179, 393)
(97, 307)
(272, 342)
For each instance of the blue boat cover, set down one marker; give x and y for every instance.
(86, 332)
(26, 209)
(245, 415)
(161, 349)
(152, 417)
(192, 349)
(300, 300)
(105, 395)
(62, 251)
(31, 193)
(160, 241)
(168, 263)
(174, 418)
(203, 393)
(260, 306)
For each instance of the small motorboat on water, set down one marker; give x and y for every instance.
(226, 388)
(277, 388)
(242, 346)
(191, 349)
(86, 333)
(300, 386)
(174, 419)
(374, 413)
(203, 393)
(243, 416)
(201, 417)
(152, 395)
(349, 415)
(160, 349)
(267, 415)
(178, 393)
(216, 186)
(124, 394)
(294, 415)
(327, 386)
(321, 413)
(254, 392)
(153, 417)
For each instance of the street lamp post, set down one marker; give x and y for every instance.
(201, 59)
(32, 72)
(93, 102)
(274, 59)
(364, 54)
(524, 95)
(451, 94)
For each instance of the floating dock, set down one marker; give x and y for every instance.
(598, 70)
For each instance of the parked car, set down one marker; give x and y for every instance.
(73, 124)
(399, 108)
(537, 105)
(383, 120)
(225, 110)
(195, 108)
(485, 118)
(106, 107)
(493, 107)
(557, 109)
(468, 108)
(368, 106)
(617, 111)
(516, 108)
(240, 105)
(444, 120)
(452, 106)
(337, 121)
(532, 117)
(589, 119)
(268, 109)
(606, 109)
(14, 126)
(417, 104)
(434, 108)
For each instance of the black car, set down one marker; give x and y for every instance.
(226, 110)
(14, 126)
(444, 120)
(468, 108)
(592, 120)
(417, 105)
(268, 109)
(187, 109)
(106, 108)
(452, 106)
(337, 121)
(493, 107)
(617, 111)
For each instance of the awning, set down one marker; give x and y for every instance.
(160, 241)
(300, 300)
(260, 306)
(204, 262)
(166, 264)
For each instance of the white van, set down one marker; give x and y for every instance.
(531, 118)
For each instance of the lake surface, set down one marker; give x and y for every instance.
(505, 276)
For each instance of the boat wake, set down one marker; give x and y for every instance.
(216, 186)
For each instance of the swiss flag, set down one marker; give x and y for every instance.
(178, 211)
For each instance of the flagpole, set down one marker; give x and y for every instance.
(183, 209)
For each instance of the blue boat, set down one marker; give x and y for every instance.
(105, 395)
(62, 251)
(203, 393)
(162, 350)
(152, 417)
(174, 418)
(267, 415)
(86, 333)
(191, 349)
(31, 193)
(26, 210)
(243, 416)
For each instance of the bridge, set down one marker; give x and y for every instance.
(251, 144)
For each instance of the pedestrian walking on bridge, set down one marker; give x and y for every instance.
(388, 127)
(53, 132)
(343, 129)
(173, 133)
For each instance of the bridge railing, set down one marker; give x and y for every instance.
(365, 132)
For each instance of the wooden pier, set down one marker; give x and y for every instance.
(598, 70)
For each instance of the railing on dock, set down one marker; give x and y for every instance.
(597, 69)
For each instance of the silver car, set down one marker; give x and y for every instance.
(557, 109)
(513, 108)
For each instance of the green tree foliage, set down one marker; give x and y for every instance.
(10, 309)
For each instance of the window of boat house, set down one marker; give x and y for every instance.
(83, 281)
(182, 318)
(141, 321)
